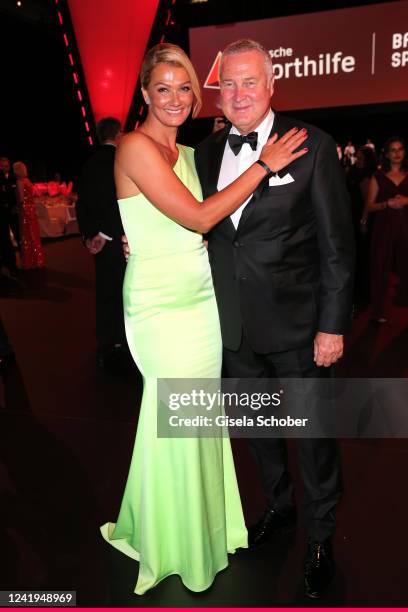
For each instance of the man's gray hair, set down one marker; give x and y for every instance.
(247, 44)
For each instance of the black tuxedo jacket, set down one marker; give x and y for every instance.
(97, 206)
(287, 271)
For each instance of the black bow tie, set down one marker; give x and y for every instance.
(236, 141)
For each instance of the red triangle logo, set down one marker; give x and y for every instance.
(212, 81)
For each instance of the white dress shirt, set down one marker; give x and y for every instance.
(233, 166)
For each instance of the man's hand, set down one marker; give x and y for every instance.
(95, 244)
(328, 348)
(278, 153)
(125, 247)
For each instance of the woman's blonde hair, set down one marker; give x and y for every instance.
(20, 169)
(166, 53)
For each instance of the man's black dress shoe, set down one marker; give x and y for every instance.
(319, 567)
(272, 523)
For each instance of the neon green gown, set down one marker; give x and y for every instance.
(181, 511)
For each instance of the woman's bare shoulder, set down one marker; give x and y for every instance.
(139, 145)
(136, 139)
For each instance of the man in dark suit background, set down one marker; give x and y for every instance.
(283, 275)
(101, 227)
(8, 215)
(6, 350)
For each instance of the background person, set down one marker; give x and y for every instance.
(358, 180)
(6, 351)
(387, 201)
(31, 250)
(7, 206)
(101, 227)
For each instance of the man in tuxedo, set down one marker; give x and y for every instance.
(101, 227)
(282, 266)
(7, 213)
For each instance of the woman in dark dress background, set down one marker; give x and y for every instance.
(388, 199)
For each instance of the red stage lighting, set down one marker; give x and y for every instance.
(112, 39)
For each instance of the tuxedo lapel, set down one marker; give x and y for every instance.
(215, 158)
(278, 128)
(214, 167)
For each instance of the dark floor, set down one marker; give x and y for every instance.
(66, 435)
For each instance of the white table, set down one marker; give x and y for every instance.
(56, 215)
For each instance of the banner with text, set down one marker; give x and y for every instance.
(333, 58)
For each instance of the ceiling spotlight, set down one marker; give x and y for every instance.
(19, 3)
